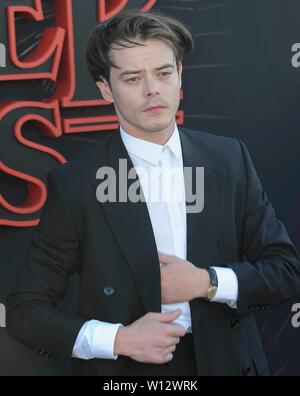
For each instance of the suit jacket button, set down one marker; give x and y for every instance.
(235, 323)
(109, 291)
(247, 371)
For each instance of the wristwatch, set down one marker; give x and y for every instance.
(213, 287)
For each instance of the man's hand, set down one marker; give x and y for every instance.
(150, 339)
(181, 280)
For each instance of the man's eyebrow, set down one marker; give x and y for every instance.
(166, 66)
(127, 72)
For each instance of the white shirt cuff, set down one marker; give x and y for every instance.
(96, 340)
(228, 287)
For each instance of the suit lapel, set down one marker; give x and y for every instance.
(203, 227)
(132, 229)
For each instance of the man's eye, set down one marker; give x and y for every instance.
(133, 79)
(165, 74)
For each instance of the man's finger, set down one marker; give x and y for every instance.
(166, 258)
(177, 330)
(172, 348)
(166, 317)
(169, 357)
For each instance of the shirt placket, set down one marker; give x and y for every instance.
(176, 204)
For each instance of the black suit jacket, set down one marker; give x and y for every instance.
(113, 248)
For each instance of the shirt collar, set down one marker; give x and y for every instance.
(149, 151)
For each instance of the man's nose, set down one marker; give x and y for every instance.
(152, 87)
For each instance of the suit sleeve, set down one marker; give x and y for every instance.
(54, 254)
(271, 273)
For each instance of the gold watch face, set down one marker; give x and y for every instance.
(212, 291)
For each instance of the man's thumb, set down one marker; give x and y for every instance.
(166, 317)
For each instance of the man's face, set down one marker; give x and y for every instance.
(145, 88)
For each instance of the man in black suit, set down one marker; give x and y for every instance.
(167, 286)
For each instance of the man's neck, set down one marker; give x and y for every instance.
(160, 137)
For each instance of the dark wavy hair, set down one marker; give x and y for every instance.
(131, 28)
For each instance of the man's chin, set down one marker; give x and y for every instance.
(157, 127)
(156, 130)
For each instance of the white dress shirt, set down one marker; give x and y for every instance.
(160, 171)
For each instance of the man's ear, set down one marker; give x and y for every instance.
(105, 90)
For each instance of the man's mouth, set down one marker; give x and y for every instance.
(154, 109)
